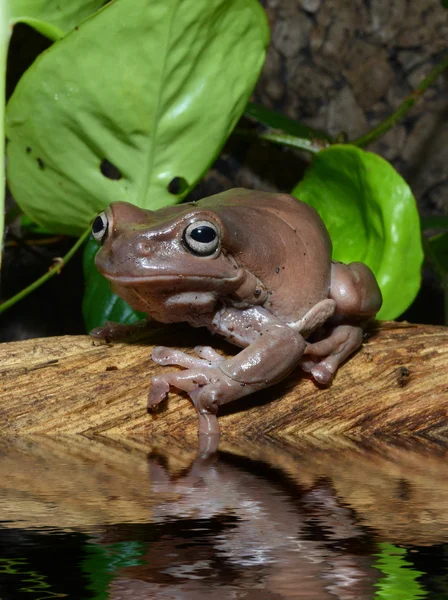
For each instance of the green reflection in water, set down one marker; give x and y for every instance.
(400, 578)
(102, 563)
(34, 582)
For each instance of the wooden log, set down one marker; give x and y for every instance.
(397, 384)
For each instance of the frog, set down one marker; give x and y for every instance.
(254, 267)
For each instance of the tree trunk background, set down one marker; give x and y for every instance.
(344, 67)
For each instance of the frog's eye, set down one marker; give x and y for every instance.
(100, 228)
(201, 238)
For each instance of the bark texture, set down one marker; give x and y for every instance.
(396, 385)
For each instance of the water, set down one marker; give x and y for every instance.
(156, 519)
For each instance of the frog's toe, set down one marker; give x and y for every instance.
(207, 353)
(168, 356)
(158, 391)
(323, 373)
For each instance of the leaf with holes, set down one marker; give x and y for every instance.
(372, 217)
(53, 18)
(134, 105)
(99, 303)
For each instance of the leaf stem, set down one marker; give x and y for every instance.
(283, 139)
(52, 271)
(404, 107)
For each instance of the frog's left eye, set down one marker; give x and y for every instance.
(100, 228)
(201, 238)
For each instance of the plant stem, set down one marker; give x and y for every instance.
(404, 107)
(283, 139)
(52, 271)
(313, 146)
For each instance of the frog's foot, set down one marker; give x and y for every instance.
(323, 358)
(192, 381)
(206, 357)
(203, 380)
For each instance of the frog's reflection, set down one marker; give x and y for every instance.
(222, 527)
(259, 519)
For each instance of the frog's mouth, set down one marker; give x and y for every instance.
(156, 289)
(166, 279)
(167, 301)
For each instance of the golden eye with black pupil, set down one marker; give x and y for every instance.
(100, 228)
(201, 238)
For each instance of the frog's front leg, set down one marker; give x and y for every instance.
(118, 332)
(272, 350)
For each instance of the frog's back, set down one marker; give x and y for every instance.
(282, 241)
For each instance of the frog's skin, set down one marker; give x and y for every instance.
(266, 282)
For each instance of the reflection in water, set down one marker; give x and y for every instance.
(81, 519)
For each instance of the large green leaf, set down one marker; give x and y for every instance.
(372, 217)
(53, 18)
(144, 91)
(99, 303)
(4, 41)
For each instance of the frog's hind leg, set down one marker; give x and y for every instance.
(322, 358)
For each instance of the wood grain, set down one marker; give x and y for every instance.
(396, 385)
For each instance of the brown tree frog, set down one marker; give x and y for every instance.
(254, 267)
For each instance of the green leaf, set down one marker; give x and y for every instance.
(4, 41)
(99, 303)
(277, 120)
(53, 18)
(444, 3)
(145, 91)
(372, 217)
(30, 227)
